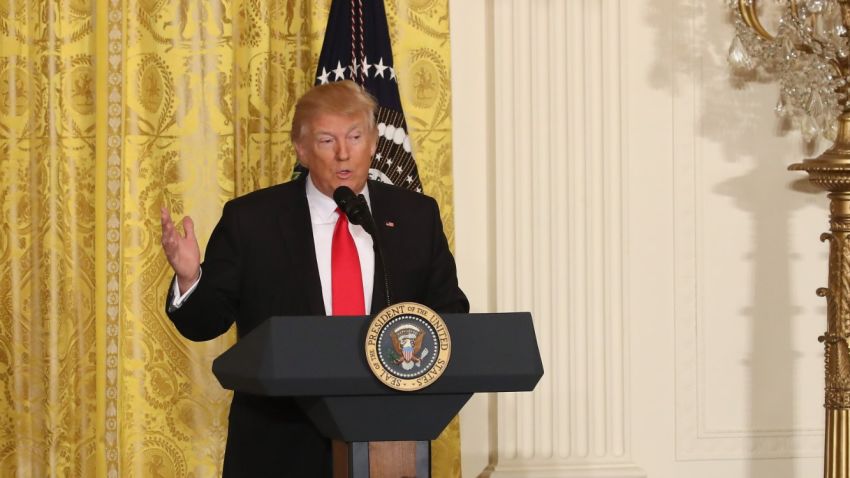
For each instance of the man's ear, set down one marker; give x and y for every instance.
(299, 154)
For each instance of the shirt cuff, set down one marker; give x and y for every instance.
(179, 299)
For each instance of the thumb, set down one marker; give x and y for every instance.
(189, 227)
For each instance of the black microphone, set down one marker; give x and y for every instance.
(355, 208)
(357, 211)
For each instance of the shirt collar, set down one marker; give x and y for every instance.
(323, 208)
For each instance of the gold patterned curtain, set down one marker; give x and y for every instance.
(108, 110)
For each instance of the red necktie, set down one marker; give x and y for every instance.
(346, 280)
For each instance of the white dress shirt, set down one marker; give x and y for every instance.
(323, 217)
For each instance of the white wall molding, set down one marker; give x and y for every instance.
(705, 187)
(566, 469)
(559, 250)
(635, 199)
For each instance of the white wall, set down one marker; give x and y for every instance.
(670, 261)
(471, 26)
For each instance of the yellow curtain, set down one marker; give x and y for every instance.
(107, 111)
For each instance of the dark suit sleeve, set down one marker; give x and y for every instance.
(212, 307)
(443, 293)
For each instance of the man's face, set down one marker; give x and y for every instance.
(337, 150)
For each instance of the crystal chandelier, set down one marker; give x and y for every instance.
(808, 55)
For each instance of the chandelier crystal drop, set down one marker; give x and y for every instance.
(807, 55)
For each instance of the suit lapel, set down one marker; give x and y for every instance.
(297, 231)
(382, 218)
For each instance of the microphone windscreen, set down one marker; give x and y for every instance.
(342, 196)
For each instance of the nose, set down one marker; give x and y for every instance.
(342, 151)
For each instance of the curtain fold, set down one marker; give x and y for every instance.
(108, 110)
(47, 332)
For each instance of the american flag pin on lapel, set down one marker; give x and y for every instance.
(389, 224)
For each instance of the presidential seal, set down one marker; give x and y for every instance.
(408, 346)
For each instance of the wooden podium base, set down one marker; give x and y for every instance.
(382, 459)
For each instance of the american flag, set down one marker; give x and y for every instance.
(357, 47)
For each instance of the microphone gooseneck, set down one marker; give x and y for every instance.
(356, 209)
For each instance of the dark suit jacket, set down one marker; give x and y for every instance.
(261, 262)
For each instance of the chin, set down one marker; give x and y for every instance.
(354, 184)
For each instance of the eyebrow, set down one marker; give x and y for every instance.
(352, 129)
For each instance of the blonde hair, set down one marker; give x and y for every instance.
(343, 98)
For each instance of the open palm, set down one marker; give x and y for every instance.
(182, 251)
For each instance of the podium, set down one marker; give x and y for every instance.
(320, 363)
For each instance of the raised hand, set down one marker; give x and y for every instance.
(182, 252)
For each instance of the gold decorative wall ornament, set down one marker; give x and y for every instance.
(810, 57)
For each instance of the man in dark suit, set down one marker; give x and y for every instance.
(271, 254)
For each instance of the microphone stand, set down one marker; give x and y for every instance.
(372, 229)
